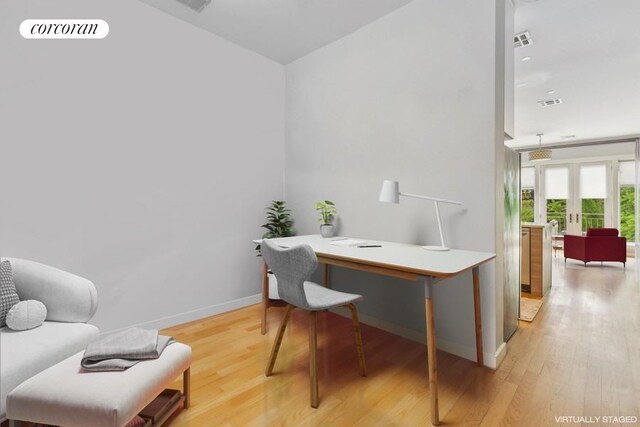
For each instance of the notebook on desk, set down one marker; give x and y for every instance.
(348, 243)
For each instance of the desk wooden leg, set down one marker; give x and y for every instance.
(326, 275)
(431, 352)
(265, 297)
(476, 306)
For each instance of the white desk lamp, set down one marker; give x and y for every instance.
(390, 193)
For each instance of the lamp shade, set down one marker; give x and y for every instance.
(539, 155)
(390, 192)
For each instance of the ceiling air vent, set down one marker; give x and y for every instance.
(549, 102)
(197, 5)
(522, 39)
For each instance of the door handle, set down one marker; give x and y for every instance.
(577, 218)
(570, 218)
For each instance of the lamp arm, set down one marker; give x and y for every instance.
(435, 199)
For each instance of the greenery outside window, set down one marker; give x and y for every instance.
(527, 194)
(526, 210)
(626, 179)
(557, 209)
(627, 217)
(592, 213)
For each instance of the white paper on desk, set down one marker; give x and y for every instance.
(348, 242)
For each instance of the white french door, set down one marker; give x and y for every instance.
(577, 196)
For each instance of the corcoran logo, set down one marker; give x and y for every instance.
(64, 29)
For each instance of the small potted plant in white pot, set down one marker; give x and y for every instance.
(327, 210)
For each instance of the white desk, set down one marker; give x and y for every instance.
(409, 262)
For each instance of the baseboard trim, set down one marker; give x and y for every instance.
(384, 325)
(490, 360)
(501, 353)
(200, 313)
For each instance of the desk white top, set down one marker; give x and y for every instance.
(399, 256)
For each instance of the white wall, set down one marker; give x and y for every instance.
(413, 97)
(138, 161)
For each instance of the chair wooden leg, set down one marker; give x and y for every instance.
(276, 344)
(265, 298)
(313, 359)
(326, 275)
(356, 330)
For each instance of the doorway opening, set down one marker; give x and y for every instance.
(583, 191)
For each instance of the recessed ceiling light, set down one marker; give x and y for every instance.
(551, 92)
(522, 84)
(567, 136)
(526, 58)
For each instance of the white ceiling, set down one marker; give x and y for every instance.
(283, 30)
(588, 51)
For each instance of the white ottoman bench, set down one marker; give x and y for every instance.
(64, 395)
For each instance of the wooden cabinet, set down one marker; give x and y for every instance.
(536, 267)
(525, 259)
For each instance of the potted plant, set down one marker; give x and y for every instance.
(327, 210)
(279, 224)
(279, 221)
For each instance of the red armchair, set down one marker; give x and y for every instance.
(600, 244)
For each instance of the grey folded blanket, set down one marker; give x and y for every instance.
(121, 350)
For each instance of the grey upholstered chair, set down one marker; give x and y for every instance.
(292, 267)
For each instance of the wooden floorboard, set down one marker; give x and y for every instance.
(580, 357)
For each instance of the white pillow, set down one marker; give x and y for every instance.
(26, 314)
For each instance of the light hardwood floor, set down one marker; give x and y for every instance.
(580, 357)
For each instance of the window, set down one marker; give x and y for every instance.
(593, 192)
(626, 179)
(527, 184)
(556, 195)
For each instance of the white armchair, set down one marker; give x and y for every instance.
(71, 301)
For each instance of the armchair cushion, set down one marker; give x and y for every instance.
(602, 232)
(68, 298)
(8, 295)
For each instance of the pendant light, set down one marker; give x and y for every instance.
(540, 154)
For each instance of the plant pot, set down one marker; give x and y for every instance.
(326, 230)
